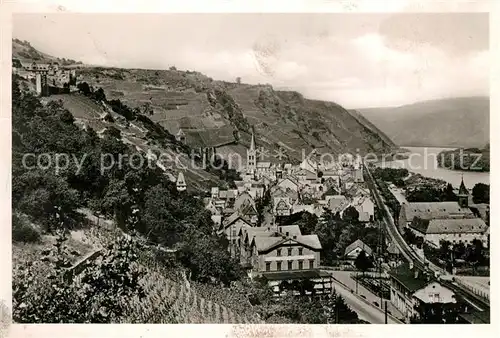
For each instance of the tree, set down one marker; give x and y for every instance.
(336, 311)
(351, 214)
(363, 262)
(448, 194)
(444, 249)
(481, 193)
(84, 88)
(206, 259)
(307, 223)
(99, 95)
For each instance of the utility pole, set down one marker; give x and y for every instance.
(356, 282)
(385, 311)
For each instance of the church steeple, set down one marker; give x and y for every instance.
(463, 195)
(252, 156)
(252, 142)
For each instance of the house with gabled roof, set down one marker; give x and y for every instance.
(352, 251)
(412, 288)
(288, 183)
(231, 227)
(282, 206)
(458, 230)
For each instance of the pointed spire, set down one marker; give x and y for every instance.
(462, 190)
(252, 142)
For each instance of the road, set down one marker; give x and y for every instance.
(345, 278)
(364, 309)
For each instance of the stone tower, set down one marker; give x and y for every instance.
(463, 195)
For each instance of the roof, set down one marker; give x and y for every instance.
(463, 190)
(180, 178)
(466, 225)
(407, 277)
(289, 179)
(393, 249)
(337, 202)
(263, 164)
(428, 210)
(311, 241)
(295, 274)
(267, 243)
(307, 173)
(233, 218)
(293, 230)
(243, 199)
(252, 142)
(477, 317)
(483, 210)
(358, 244)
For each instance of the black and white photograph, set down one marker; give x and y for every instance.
(250, 168)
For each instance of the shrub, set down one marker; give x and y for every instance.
(22, 231)
(102, 293)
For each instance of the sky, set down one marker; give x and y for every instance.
(357, 60)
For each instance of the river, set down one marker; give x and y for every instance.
(422, 160)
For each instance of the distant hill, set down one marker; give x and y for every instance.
(452, 122)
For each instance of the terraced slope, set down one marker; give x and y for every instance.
(88, 113)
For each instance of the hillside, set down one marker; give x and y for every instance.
(453, 122)
(199, 105)
(25, 52)
(222, 114)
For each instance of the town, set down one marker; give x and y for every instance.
(260, 219)
(281, 180)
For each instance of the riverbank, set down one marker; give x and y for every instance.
(423, 161)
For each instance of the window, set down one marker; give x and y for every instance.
(287, 234)
(234, 233)
(300, 251)
(278, 252)
(289, 251)
(311, 264)
(268, 266)
(290, 265)
(300, 265)
(278, 265)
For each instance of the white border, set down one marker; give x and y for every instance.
(127, 6)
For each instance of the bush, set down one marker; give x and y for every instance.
(103, 293)
(24, 232)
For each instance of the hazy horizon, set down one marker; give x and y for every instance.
(356, 60)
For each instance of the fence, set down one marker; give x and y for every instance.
(475, 290)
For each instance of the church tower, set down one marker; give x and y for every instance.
(463, 195)
(252, 156)
(358, 170)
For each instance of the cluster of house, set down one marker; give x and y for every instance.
(46, 76)
(456, 222)
(273, 249)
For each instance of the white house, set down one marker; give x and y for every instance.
(353, 250)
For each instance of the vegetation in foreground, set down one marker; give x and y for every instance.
(127, 280)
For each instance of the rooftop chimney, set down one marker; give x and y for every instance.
(416, 273)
